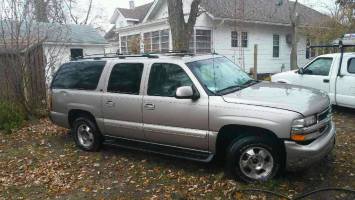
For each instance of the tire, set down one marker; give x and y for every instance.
(86, 134)
(253, 159)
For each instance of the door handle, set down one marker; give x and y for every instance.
(149, 106)
(326, 80)
(110, 103)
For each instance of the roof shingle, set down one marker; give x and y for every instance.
(137, 13)
(266, 11)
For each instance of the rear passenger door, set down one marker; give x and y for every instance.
(171, 121)
(122, 101)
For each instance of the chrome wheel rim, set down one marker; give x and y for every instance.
(85, 135)
(256, 163)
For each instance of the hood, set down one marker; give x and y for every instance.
(299, 99)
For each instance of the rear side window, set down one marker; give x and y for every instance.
(126, 78)
(351, 66)
(79, 75)
(165, 79)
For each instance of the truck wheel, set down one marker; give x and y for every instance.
(86, 134)
(253, 159)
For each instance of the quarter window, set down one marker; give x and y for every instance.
(165, 79)
(351, 66)
(319, 67)
(79, 75)
(126, 78)
(276, 46)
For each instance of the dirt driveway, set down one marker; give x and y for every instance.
(41, 161)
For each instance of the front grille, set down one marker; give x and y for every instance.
(325, 114)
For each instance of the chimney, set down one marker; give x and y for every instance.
(131, 4)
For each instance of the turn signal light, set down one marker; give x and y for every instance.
(298, 138)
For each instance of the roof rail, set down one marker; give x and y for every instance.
(178, 53)
(114, 55)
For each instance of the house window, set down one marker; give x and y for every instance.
(155, 41)
(76, 53)
(124, 45)
(276, 46)
(133, 44)
(147, 42)
(164, 40)
(203, 41)
(234, 39)
(244, 39)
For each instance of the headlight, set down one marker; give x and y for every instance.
(305, 122)
(298, 125)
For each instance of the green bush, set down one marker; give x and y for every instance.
(11, 116)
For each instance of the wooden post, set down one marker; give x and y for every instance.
(255, 71)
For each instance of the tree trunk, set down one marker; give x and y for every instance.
(41, 10)
(293, 56)
(182, 31)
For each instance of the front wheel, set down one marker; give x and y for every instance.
(253, 159)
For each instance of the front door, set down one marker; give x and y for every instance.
(345, 94)
(171, 121)
(122, 102)
(316, 74)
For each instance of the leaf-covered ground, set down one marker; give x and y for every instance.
(41, 161)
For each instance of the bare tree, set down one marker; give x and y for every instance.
(180, 29)
(24, 64)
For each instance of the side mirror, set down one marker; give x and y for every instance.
(301, 71)
(186, 92)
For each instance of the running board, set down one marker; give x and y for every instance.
(200, 156)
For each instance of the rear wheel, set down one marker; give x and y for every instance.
(253, 159)
(86, 134)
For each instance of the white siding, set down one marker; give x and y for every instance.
(57, 55)
(261, 35)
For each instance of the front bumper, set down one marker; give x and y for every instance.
(300, 156)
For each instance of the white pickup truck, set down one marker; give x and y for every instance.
(326, 73)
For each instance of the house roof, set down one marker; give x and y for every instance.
(56, 33)
(267, 11)
(137, 13)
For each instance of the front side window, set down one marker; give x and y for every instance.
(125, 78)
(319, 67)
(219, 75)
(166, 78)
(79, 75)
(276, 46)
(351, 66)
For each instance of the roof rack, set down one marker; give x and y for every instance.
(114, 55)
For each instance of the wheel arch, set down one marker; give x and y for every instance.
(229, 133)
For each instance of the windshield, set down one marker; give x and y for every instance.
(220, 75)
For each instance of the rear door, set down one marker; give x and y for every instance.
(317, 74)
(122, 101)
(345, 92)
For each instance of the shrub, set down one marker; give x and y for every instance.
(11, 116)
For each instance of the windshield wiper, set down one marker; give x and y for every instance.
(229, 89)
(250, 83)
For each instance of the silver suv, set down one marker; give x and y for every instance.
(193, 107)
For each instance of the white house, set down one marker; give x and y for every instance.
(228, 27)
